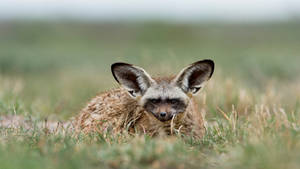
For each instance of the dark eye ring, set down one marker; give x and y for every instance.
(154, 101)
(174, 101)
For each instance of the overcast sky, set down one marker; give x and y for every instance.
(243, 10)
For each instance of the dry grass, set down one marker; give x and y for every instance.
(245, 129)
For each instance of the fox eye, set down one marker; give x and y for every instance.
(174, 101)
(154, 101)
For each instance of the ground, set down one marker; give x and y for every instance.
(49, 71)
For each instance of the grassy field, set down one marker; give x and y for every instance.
(49, 70)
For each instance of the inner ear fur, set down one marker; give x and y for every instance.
(192, 78)
(135, 79)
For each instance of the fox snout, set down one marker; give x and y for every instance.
(163, 112)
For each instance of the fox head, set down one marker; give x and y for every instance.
(163, 97)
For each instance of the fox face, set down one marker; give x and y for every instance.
(164, 98)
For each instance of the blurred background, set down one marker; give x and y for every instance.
(56, 54)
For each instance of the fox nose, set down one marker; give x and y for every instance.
(162, 114)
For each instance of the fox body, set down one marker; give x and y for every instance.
(153, 106)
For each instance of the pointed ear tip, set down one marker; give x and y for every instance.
(119, 64)
(115, 65)
(212, 65)
(210, 62)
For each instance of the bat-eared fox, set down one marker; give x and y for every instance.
(146, 105)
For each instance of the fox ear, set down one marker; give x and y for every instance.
(134, 79)
(192, 78)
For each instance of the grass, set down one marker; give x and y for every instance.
(252, 103)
